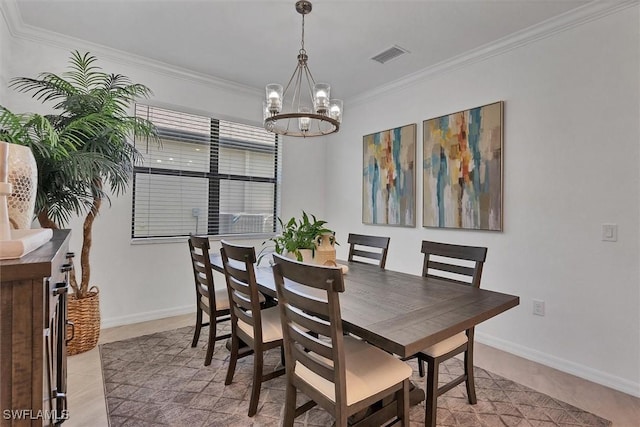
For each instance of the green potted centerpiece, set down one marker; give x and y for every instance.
(82, 152)
(306, 239)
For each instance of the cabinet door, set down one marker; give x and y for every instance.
(49, 355)
(55, 348)
(58, 351)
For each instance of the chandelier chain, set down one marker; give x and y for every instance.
(302, 43)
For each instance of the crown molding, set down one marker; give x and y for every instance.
(19, 30)
(571, 19)
(579, 16)
(8, 12)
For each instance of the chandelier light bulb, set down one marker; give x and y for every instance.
(321, 93)
(274, 98)
(335, 110)
(304, 121)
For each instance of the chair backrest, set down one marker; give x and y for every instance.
(361, 240)
(202, 271)
(311, 321)
(238, 262)
(447, 264)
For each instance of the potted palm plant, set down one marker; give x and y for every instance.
(81, 151)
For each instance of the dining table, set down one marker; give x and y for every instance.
(399, 312)
(402, 313)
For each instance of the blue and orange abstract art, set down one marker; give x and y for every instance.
(389, 177)
(462, 176)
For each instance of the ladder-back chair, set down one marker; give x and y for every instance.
(342, 374)
(461, 265)
(360, 249)
(260, 329)
(210, 300)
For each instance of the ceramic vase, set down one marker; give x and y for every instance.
(23, 176)
(325, 250)
(5, 191)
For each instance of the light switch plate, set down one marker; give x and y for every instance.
(609, 232)
(538, 307)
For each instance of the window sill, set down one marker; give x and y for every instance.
(181, 239)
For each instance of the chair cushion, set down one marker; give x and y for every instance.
(271, 326)
(368, 370)
(446, 346)
(222, 298)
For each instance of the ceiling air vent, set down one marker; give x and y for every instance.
(389, 54)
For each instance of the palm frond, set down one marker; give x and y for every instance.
(47, 88)
(11, 126)
(82, 73)
(34, 131)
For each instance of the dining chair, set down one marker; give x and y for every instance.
(340, 373)
(461, 265)
(210, 300)
(259, 329)
(360, 247)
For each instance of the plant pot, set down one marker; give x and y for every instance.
(84, 313)
(307, 255)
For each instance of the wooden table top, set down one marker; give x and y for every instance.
(403, 313)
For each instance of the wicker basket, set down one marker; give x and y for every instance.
(85, 315)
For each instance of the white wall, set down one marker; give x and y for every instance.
(571, 156)
(5, 39)
(141, 282)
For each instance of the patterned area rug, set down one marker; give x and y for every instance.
(159, 379)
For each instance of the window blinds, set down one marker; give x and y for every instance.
(204, 176)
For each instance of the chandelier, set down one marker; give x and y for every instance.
(308, 111)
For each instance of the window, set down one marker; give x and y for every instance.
(207, 176)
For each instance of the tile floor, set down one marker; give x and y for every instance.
(87, 406)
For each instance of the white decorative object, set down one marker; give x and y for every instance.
(18, 184)
(23, 176)
(5, 191)
(24, 241)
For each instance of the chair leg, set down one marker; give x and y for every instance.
(196, 333)
(212, 340)
(421, 366)
(290, 406)
(468, 370)
(342, 420)
(431, 391)
(233, 358)
(403, 403)
(257, 382)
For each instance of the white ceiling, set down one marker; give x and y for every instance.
(256, 42)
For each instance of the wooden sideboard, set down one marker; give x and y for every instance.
(33, 321)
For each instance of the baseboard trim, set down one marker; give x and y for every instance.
(585, 372)
(146, 316)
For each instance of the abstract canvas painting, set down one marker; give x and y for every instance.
(389, 177)
(462, 173)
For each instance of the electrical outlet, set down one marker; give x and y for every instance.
(538, 307)
(609, 232)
